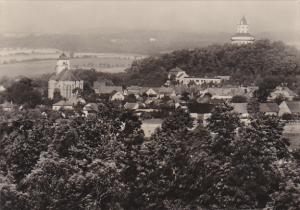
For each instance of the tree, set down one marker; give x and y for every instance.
(23, 92)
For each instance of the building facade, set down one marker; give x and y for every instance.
(64, 80)
(242, 35)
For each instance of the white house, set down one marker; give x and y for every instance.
(117, 96)
(282, 92)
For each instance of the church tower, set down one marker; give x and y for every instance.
(62, 63)
(242, 35)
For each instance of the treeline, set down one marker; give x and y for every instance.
(104, 162)
(246, 64)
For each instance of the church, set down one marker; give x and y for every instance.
(242, 36)
(64, 79)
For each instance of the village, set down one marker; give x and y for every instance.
(196, 95)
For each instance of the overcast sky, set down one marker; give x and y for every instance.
(191, 16)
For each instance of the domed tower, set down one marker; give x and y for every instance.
(242, 36)
(62, 63)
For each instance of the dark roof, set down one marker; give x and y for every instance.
(268, 107)
(65, 75)
(63, 57)
(243, 21)
(200, 108)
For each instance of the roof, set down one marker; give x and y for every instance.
(137, 89)
(91, 107)
(130, 105)
(165, 90)
(294, 106)
(285, 89)
(268, 107)
(200, 108)
(240, 108)
(229, 91)
(175, 70)
(63, 57)
(243, 21)
(65, 75)
(243, 35)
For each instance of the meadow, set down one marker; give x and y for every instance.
(36, 67)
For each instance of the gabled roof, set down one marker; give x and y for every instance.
(131, 105)
(294, 106)
(65, 75)
(63, 57)
(285, 89)
(91, 107)
(268, 107)
(240, 108)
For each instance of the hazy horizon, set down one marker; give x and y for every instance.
(117, 16)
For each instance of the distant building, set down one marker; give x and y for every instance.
(181, 77)
(289, 107)
(150, 126)
(64, 80)
(269, 108)
(117, 96)
(284, 92)
(242, 36)
(6, 106)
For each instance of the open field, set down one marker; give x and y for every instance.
(31, 68)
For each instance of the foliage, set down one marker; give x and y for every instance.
(246, 64)
(238, 99)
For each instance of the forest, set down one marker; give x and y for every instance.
(105, 162)
(247, 64)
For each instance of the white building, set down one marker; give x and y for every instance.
(242, 36)
(64, 80)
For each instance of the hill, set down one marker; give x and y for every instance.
(246, 64)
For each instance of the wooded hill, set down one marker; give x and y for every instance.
(246, 64)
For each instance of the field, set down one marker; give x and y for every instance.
(32, 68)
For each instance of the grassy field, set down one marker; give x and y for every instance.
(32, 68)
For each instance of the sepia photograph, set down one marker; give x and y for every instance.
(149, 105)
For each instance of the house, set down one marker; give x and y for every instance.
(149, 126)
(6, 106)
(176, 74)
(227, 93)
(131, 106)
(165, 91)
(289, 107)
(117, 96)
(68, 104)
(90, 108)
(242, 111)
(269, 108)
(200, 111)
(136, 90)
(199, 80)
(151, 92)
(284, 92)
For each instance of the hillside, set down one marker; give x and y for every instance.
(246, 64)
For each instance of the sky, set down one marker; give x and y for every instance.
(67, 16)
